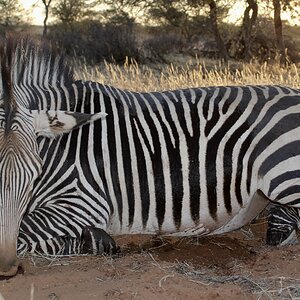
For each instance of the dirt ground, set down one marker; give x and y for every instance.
(234, 266)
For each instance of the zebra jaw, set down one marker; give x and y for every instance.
(54, 123)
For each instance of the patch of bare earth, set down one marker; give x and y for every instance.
(233, 266)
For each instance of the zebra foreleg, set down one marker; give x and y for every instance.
(96, 241)
(92, 240)
(283, 223)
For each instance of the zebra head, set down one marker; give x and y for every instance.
(22, 119)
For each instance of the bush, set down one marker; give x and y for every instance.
(263, 45)
(161, 44)
(96, 42)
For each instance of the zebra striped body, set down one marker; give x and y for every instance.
(81, 160)
(187, 162)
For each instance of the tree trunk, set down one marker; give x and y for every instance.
(247, 28)
(278, 31)
(47, 5)
(215, 28)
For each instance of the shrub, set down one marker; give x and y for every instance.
(161, 44)
(96, 42)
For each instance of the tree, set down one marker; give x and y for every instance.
(172, 13)
(279, 6)
(122, 12)
(213, 13)
(70, 11)
(213, 17)
(246, 32)
(10, 13)
(188, 16)
(47, 6)
(278, 31)
(183, 14)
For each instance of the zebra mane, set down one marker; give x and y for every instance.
(32, 75)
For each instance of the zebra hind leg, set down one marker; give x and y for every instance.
(96, 241)
(282, 226)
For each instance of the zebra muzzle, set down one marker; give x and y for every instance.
(9, 263)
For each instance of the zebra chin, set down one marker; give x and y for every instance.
(9, 263)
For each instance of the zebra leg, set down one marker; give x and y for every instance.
(282, 225)
(92, 240)
(97, 241)
(57, 245)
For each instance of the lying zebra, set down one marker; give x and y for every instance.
(81, 160)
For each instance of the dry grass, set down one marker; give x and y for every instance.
(193, 73)
(264, 288)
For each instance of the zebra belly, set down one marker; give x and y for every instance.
(224, 223)
(245, 214)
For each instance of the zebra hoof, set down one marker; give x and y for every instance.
(281, 238)
(96, 241)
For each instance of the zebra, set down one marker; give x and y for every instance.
(82, 161)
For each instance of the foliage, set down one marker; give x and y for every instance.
(121, 12)
(188, 15)
(109, 32)
(10, 13)
(161, 44)
(70, 11)
(96, 42)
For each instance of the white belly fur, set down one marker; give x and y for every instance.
(208, 227)
(245, 215)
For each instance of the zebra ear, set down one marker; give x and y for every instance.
(52, 123)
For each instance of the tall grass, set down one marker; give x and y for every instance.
(132, 76)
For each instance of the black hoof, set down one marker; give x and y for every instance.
(282, 226)
(96, 241)
(281, 237)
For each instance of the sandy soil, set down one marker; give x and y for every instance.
(234, 266)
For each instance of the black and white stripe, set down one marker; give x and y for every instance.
(180, 162)
(184, 162)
